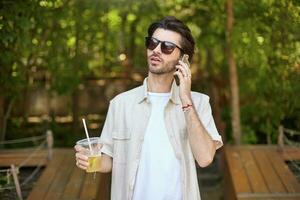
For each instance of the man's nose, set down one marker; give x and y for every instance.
(158, 49)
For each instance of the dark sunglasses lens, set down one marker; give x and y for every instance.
(167, 47)
(151, 43)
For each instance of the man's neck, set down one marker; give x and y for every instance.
(160, 83)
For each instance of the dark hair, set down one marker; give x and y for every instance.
(173, 24)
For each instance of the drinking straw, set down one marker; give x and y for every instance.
(87, 135)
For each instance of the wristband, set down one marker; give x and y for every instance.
(186, 106)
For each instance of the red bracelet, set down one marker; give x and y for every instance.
(187, 106)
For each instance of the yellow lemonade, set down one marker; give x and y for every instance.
(94, 163)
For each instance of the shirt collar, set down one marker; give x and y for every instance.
(143, 95)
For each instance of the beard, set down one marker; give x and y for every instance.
(163, 69)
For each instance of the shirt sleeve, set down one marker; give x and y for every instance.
(106, 134)
(205, 115)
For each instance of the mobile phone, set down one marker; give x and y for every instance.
(185, 59)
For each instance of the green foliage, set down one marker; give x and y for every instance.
(59, 43)
(249, 135)
(267, 51)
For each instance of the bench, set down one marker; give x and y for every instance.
(257, 172)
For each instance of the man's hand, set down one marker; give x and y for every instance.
(81, 158)
(184, 75)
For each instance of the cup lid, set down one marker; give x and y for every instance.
(85, 141)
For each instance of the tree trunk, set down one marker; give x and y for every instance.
(126, 63)
(2, 136)
(214, 92)
(6, 114)
(26, 92)
(217, 109)
(75, 110)
(198, 59)
(235, 107)
(131, 46)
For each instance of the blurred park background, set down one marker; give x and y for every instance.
(62, 60)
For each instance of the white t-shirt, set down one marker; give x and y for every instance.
(158, 176)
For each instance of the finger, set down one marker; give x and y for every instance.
(186, 66)
(80, 156)
(82, 150)
(81, 167)
(78, 148)
(182, 70)
(185, 72)
(83, 164)
(183, 64)
(179, 74)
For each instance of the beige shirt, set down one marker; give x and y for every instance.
(124, 130)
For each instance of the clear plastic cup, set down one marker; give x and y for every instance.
(94, 156)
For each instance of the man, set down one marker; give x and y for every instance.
(154, 133)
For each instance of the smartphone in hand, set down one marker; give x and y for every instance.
(185, 59)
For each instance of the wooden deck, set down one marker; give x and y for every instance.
(251, 173)
(260, 173)
(61, 179)
(13, 156)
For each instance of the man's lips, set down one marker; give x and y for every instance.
(155, 59)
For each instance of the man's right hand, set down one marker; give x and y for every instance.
(81, 158)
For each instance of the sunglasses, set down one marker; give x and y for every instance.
(166, 47)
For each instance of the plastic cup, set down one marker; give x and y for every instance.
(94, 156)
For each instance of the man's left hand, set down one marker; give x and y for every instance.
(184, 75)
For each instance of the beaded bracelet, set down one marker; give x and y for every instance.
(185, 107)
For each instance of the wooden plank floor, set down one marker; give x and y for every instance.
(251, 173)
(17, 156)
(259, 172)
(61, 179)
